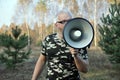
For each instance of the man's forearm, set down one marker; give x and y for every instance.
(38, 67)
(36, 72)
(81, 64)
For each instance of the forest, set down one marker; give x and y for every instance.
(34, 20)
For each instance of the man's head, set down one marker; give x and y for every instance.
(62, 17)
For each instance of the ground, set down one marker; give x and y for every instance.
(99, 69)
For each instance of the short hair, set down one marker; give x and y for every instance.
(63, 10)
(66, 11)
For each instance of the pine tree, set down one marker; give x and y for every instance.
(14, 48)
(110, 33)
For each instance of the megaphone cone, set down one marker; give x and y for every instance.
(78, 33)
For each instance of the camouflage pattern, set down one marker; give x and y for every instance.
(60, 61)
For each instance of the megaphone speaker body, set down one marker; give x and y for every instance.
(78, 33)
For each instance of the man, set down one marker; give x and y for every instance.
(64, 62)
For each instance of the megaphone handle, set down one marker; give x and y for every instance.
(89, 45)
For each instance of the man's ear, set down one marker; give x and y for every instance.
(55, 24)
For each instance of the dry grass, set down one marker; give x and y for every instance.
(99, 69)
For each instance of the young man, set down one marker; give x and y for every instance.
(64, 62)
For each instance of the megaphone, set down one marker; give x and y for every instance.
(78, 33)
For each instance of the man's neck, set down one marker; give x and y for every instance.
(60, 35)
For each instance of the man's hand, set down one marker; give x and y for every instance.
(74, 51)
(81, 64)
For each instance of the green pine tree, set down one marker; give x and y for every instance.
(110, 33)
(14, 48)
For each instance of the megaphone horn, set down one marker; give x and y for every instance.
(78, 33)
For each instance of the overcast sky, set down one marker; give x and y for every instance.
(7, 9)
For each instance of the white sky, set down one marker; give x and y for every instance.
(7, 9)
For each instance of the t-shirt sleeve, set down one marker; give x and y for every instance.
(43, 50)
(83, 53)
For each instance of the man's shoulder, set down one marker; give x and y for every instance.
(51, 36)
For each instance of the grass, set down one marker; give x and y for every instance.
(99, 68)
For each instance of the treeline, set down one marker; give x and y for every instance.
(37, 33)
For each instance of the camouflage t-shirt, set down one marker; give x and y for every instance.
(60, 61)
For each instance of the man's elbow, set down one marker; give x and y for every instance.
(85, 70)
